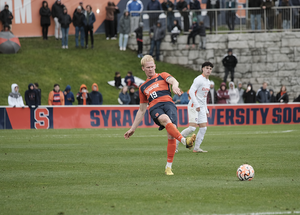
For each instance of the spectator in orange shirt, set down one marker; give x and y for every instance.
(56, 97)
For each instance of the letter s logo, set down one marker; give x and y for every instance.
(41, 116)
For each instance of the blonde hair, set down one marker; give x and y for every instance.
(146, 58)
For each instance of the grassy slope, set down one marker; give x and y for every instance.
(78, 172)
(46, 63)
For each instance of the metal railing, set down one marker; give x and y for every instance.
(220, 21)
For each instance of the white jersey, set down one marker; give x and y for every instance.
(199, 91)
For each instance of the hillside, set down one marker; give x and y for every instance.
(46, 63)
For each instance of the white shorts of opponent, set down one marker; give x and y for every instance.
(197, 117)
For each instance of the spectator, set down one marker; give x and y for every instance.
(168, 7)
(267, 6)
(230, 14)
(118, 80)
(285, 14)
(81, 6)
(194, 31)
(6, 17)
(222, 94)
(184, 98)
(183, 9)
(202, 33)
(124, 97)
(195, 5)
(56, 97)
(229, 62)
(134, 6)
(95, 96)
(39, 92)
(129, 80)
(212, 97)
(117, 11)
(272, 96)
(65, 21)
(157, 34)
(176, 29)
(109, 21)
(14, 98)
(6, 27)
(69, 96)
(212, 4)
(45, 19)
(139, 39)
(296, 13)
(57, 11)
(124, 30)
(83, 96)
(31, 97)
(176, 98)
(78, 22)
(241, 93)
(297, 99)
(153, 17)
(133, 96)
(263, 94)
(282, 95)
(249, 94)
(89, 25)
(233, 94)
(255, 14)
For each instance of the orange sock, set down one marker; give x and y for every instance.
(171, 149)
(173, 131)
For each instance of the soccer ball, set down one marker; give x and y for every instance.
(245, 172)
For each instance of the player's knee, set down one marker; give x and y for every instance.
(192, 128)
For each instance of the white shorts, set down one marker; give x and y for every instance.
(197, 117)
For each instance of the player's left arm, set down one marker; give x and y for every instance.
(175, 85)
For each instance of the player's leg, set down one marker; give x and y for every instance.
(202, 122)
(171, 152)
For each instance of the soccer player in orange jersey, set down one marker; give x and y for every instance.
(156, 92)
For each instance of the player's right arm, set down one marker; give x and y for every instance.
(195, 86)
(138, 118)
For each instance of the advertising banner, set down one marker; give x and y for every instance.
(115, 116)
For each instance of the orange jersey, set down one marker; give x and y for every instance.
(156, 90)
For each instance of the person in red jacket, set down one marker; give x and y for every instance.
(56, 97)
(222, 94)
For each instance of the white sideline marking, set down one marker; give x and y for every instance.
(262, 213)
(287, 131)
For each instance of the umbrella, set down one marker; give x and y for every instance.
(9, 43)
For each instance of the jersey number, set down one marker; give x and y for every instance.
(153, 95)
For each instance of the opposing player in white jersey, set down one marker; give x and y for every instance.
(197, 107)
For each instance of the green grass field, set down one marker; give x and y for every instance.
(93, 171)
(47, 63)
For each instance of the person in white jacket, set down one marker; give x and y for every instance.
(234, 94)
(14, 98)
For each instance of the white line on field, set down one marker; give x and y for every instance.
(262, 213)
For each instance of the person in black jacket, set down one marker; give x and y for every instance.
(31, 97)
(255, 14)
(65, 21)
(89, 20)
(116, 12)
(272, 96)
(133, 96)
(194, 31)
(78, 22)
(249, 94)
(202, 33)
(6, 17)
(139, 39)
(182, 7)
(229, 62)
(57, 11)
(39, 92)
(263, 94)
(168, 7)
(45, 19)
(95, 96)
(118, 80)
(282, 95)
(80, 5)
(212, 4)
